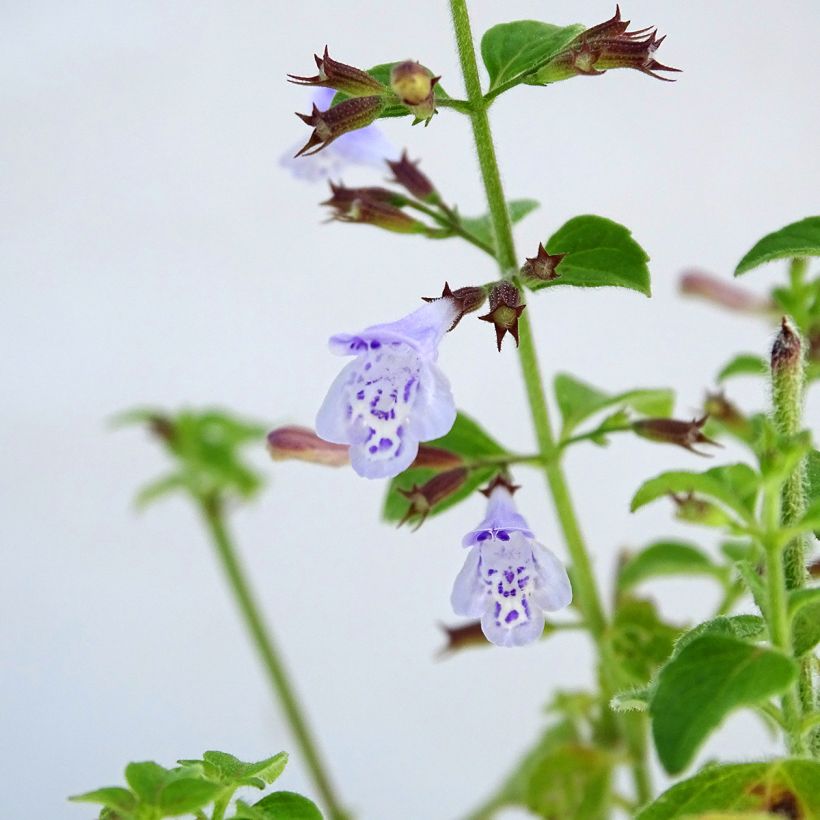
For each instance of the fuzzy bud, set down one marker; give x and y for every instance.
(672, 431)
(698, 511)
(466, 300)
(346, 78)
(348, 115)
(505, 311)
(425, 497)
(541, 267)
(718, 407)
(407, 174)
(302, 444)
(787, 352)
(413, 84)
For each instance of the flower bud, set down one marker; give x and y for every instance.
(732, 297)
(541, 267)
(672, 431)
(380, 214)
(505, 311)
(407, 174)
(348, 115)
(342, 197)
(352, 81)
(436, 457)
(302, 444)
(413, 84)
(466, 300)
(697, 511)
(787, 351)
(423, 499)
(718, 407)
(462, 637)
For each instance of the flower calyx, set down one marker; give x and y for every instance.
(425, 497)
(505, 310)
(464, 300)
(302, 444)
(348, 115)
(500, 480)
(372, 206)
(542, 266)
(673, 431)
(406, 173)
(345, 78)
(414, 85)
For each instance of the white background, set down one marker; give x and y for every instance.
(153, 251)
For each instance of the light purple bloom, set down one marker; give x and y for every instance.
(368, 147)
(392, 395)
(508, 580)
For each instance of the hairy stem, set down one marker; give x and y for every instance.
(268, 654)
(585, 589)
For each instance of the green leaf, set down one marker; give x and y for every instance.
(798, 239)
(788, 788)
(599, 253)
(702, 684)
(146, 779)
(639, 639)
(228, 770)
(186, 795)
(466, 438)
(114, 797)
(578, 401)
(511, 51)
(804, 604)
(481, 227)
(632, 700)
(395, 108)
(666, 558)
(744, 364)
(734, 486)
(747, 628)
(279, 806)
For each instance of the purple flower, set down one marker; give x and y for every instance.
(368, 146)
(508, 580)
(391, 396)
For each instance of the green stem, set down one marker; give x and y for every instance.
(446, 221)
(266, 648)
(585, 589)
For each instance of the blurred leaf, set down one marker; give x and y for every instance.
(734, 486)
(511, 51)
(114, 797)
(666, 558)
(279, 806)
(709, 678)
(804, 604)
(786, 788)
(146, 780)
(744, 364)
(186, 795)
(578, 401)
(632, 700)
(599, 253)
(466, 438)
(481, 227)
(797, 239)
(639, 639)
(381, 72)
(228, 770)
(743, 627)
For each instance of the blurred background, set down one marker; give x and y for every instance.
(154, 251)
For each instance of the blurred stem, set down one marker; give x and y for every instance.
(263, 641)
(447, 220)
(585, 589)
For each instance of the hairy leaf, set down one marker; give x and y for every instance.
(279, 806)
(744, 364)
(797, 239)
(666, 558)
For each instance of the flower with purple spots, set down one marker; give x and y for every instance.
(367, 147)
(392, 395)
(508, 580)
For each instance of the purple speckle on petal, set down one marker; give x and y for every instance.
(512, 615)
(483, 536)
(375, 345)
(384, 443)
(502, 535)
(373, 448)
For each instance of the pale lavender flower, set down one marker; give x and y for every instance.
(367, 147)
(508, 580)
(392, 395)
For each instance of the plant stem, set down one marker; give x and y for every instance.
(585, 589)
(446, 221)
(265, 646)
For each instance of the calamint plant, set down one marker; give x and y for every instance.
(391, 416)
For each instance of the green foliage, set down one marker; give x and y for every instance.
(466, 438)
(513, 52)
(599, 253)
(577, 401)
(667, 558)
(744, 364)
(804, 607)
(481, 227)
(394, 107)
(221, 767)
(279, 806)
(734, 487)
(705, 681)
(207, 447)
(783, 788)
(797, 239)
